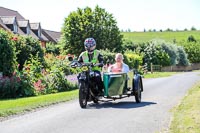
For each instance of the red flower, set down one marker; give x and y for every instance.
(14, 38)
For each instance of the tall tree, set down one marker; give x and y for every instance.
(85, 23)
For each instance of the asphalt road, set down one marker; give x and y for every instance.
(120, 116)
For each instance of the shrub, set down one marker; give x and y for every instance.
(193, 50)
(52, 48)
(137, 47)
(34, 68)
(26, 86)
(22, 52)
(57, 69)
(133, 60)
(25, 48)
(191, 39)
(108, 57)
(9, 86)
(165, 54)
(56, 82)
(182, 57)
(7, 54)
(171, 50)
(155, 54)
(17, 85)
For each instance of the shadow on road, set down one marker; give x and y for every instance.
(120, 105)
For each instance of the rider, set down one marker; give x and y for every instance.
(94, 56)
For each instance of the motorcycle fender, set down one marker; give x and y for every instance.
(82, 77)
(136, 81)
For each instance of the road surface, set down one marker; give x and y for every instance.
(120, 116)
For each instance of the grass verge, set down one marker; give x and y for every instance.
(186, 116)
(159, 74)
(16, 106)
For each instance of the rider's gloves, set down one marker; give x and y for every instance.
(92, 64)
(100, 64)
(74, 64)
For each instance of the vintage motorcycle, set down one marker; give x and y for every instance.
(116, 85)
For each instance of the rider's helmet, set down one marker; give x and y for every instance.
(90, 45)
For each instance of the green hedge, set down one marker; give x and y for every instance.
(7, 54)
(192, 49)
(26, 47)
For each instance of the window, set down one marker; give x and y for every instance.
(15, 27)
(28, 30)
(39, 32)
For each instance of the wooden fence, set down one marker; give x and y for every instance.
(159, 68)
(194, 66)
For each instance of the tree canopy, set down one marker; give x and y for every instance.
(85, 23)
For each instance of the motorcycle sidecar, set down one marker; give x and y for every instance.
(120, 85)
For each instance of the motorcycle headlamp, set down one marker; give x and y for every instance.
(84, 68)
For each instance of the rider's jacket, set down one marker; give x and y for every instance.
(85, 58)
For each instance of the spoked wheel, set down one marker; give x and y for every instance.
(83, 93)
(138, 94)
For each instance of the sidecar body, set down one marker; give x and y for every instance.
(119, 85)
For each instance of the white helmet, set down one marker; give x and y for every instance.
(90, 45)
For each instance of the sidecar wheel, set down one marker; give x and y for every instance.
(138, 94)
(83, 95)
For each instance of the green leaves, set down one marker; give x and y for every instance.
(161, 53)
(7, 54)
(193, 50)
(86, 23)
(26, 47)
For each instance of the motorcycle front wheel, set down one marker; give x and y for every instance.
(83, 94)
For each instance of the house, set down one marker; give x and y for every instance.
(9, 12)
(3, 26)
(24, 25)
(37, 30)
(12, 21)
(52, 36)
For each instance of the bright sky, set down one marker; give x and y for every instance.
(135, 15)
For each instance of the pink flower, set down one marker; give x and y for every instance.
(14, 39)
(14, 73)
(39, 86)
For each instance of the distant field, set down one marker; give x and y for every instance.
(167, 36)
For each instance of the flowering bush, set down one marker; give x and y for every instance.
(26, 47)
(17, 85)
(59, 62)
(32, 76)
(9, 86)
(39, 87)
(55, 80)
